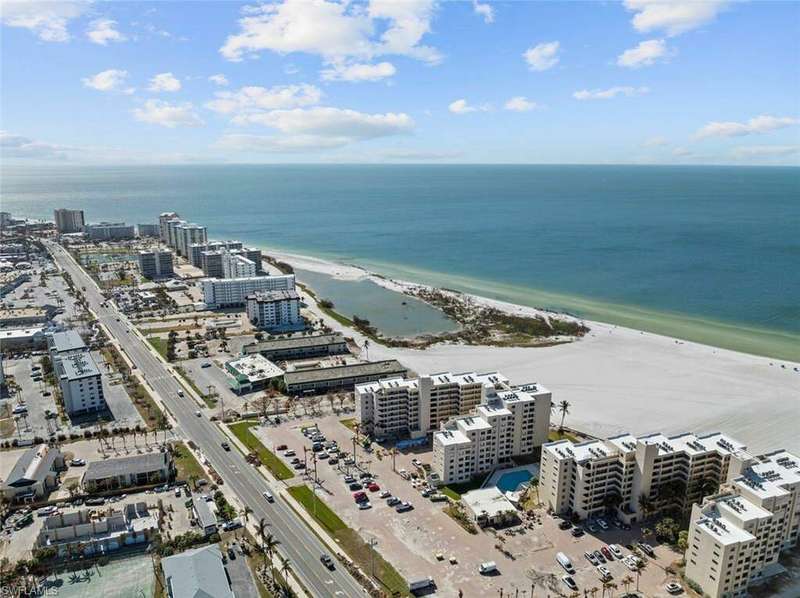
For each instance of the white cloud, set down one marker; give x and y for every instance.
(251, 100)
(332, 122)
(760, 124)
(673, 16)
(655, 142)
(608, 94)
(682, 152)
(463, 107)
(542, 56)
(359, 72)
(102, 31)
(159, 112)
(520, 104)
(110, 80)
(484, 10)
(219, 79)
(47, 20)
(646, 53)
(337, 31)
(766, 151)
(20, 147)
(164, 82)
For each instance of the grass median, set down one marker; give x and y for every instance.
(242, 431)
(186, 464)
(159, 344)
(362, 553)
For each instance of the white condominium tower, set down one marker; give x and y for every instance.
(736, 536)
(631, 475)
(509, 423)
(398, 408)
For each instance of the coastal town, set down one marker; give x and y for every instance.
(181, 416)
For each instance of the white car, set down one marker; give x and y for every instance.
(604, 572)
(364, 505)
(385, 494)
(602, 524)
(631, 562)
(198, 413)
(673, 588)
(615, 550)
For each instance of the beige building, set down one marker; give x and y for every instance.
(626, 474)
(735, 537)
(508, 423)
(34, 475)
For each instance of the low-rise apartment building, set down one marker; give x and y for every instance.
(110, 231)
(299, 347)
(251, 373)
(34, 475)
(124, 472)
(274, 310)
(736, 536)
(233, 292)
(314, 380)
(509, 423)
(632, 475)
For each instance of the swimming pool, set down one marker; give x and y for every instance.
(511, 481)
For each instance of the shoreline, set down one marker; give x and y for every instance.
(616, 379)
(352, 272)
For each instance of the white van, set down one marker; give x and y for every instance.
(488, 567)
(564, 561)
(268, 496)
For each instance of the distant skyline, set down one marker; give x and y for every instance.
(414, 81)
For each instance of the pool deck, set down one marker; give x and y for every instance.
(492, 480)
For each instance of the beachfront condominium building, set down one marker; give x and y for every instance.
(233, 292)
(163, 225)
(196, 250)
(509, 423)
(235, 265)
(110, 231)
(274, 310)
(68, 221)
(633, 476)
(172, 231)
(148, 230)
(188, 233)
(415, 408)
(156, 264)
(736, 536)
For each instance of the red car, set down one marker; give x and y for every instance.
(607, 553)
(373, 487)
(281, 447)
(359, 496)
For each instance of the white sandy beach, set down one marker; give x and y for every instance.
(618, 379)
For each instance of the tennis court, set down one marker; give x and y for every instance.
(128, 577)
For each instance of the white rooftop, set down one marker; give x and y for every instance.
(450, 437)
(471, 423)
(489, 501)
(771, 475)
(386, 384)
(255, 367)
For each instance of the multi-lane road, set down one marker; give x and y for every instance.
(298, 542)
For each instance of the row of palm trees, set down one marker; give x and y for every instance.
(268, 547)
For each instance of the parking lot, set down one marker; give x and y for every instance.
(34, 423)
(215, 376)
(415, 540)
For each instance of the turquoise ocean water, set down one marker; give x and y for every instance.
(710, 254)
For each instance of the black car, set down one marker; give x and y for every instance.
(226, 446)
(577, 531)
(356, 486)
(564, 524)
(327, 561)
(231, 554)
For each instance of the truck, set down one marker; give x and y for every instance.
(421, 584)
(487, 568)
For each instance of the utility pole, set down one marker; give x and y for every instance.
(373, 542)
(355, 460)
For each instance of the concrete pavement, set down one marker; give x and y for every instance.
(298, 543)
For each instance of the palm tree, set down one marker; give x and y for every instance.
(286, 568)
(366, 348)
(606, 584)
(563, 409)
(246, 513)
(626, 582)
(269, 547)
(638, 568)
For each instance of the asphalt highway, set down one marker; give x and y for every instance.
(298, 543)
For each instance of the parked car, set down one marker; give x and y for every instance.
(601, 558)
(95, 502)
(78, 462)
(673, 588)
(289, 453)
(385, 494)
(281, 447)
(487, 568)
(333, 461)
(607, 553)
(360, 496)
(365, 505)
(646, 548)
(615, 550)
(392, 501)
(601, 523)
(403, 507)
(577, 531)
(373, 487)
(323, 455)
(591, 558)
(604, 572)
(563, 560)
(232, 524)
(564, 524)
(570, 583)
(300, 465)
(355, 486)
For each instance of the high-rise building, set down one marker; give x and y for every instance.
(148, 230)
(274, 310)
(77, 373)
(628, 474)
(68, 221)
(233, 292)
(736, 536)
(508, 423)
(156, 264)
(235, 265)
(163, 225)
(186, 234)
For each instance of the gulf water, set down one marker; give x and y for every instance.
(710, 254)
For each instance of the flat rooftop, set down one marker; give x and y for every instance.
(255, 368)
(69, 340)
(772, 475)
(98, 470)
(488, 501)
(274, 296)
(465, 378)
(389, 367)
(297, 342)
(76, 366)
(450, 437)
(387, 384)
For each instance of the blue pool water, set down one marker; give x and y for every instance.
(510, 482)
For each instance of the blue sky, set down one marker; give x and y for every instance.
(638, 81)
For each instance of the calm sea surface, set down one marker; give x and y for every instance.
(705, 253)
